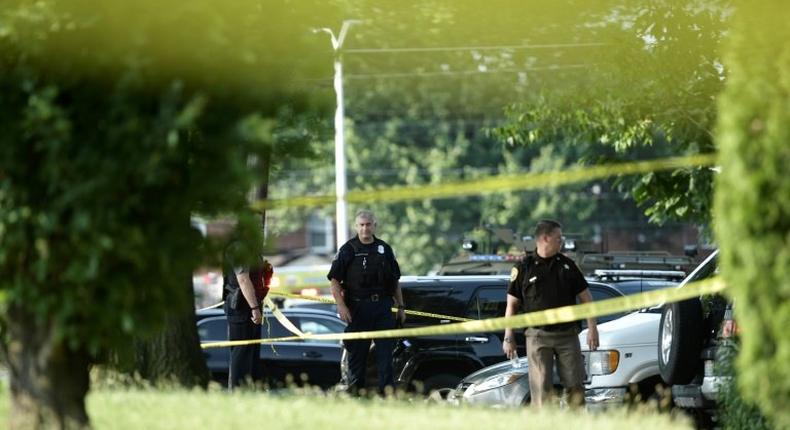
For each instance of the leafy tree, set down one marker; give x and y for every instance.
(650, 94)
(426, 233)
(752, 202)
(419, 118)
(118, 124)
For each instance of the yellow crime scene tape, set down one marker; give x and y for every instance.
(550, 316)
(407, 311)
(493, 184)
(282, 318)
(276, 311)
(479, 186)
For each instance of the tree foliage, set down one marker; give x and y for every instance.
(753, 201)
(650, 93)
(108, 149)
(118, 124)
(422, 117)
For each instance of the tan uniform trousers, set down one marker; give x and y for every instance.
(542, 349)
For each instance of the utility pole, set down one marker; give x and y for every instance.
(341, 217)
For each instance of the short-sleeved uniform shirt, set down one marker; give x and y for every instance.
(346, 254)
(546, 283)
(232, 267)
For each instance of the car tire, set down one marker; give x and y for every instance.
(680, 341)
(439, 386)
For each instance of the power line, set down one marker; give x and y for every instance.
(469, 48)
(455, 73)
(463, 72)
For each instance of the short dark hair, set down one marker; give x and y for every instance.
(546, 226)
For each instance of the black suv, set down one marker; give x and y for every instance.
(433, 363)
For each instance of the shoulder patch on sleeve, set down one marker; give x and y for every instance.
(513, 274)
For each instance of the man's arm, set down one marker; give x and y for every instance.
(509, 343)
(337, 293)
(248, 291)
(592, 324)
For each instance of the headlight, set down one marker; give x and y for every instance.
(603, 362)
(498, 381)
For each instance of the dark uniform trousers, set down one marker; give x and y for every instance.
(367, 314)
(245, 359)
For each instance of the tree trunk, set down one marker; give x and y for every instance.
(49, 381)
(174, 354)
(263, 188)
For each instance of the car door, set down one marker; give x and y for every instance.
(281, 362)
(488, 301)
(300, 362)
(432, 298)
(321, 358)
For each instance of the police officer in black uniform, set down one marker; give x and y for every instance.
(364, 281)
(545, 280)
(242, 305)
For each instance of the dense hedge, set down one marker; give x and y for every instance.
(752, 203)
(734, 412)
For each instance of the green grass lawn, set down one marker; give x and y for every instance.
(176, 409)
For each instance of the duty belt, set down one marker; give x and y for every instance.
(359, 296)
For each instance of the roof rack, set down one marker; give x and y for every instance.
(635, 261)
(635, 274)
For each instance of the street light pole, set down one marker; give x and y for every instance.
(340, 143)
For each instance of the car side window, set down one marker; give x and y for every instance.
(317, 325)
(213, 329)
(600, 293)
(488, 302)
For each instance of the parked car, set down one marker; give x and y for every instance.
(306, 362)
(693, 336)
(625, 358)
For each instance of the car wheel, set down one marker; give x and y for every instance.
(680, 341)
(437, 387)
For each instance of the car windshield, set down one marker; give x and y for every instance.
(708, 268)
